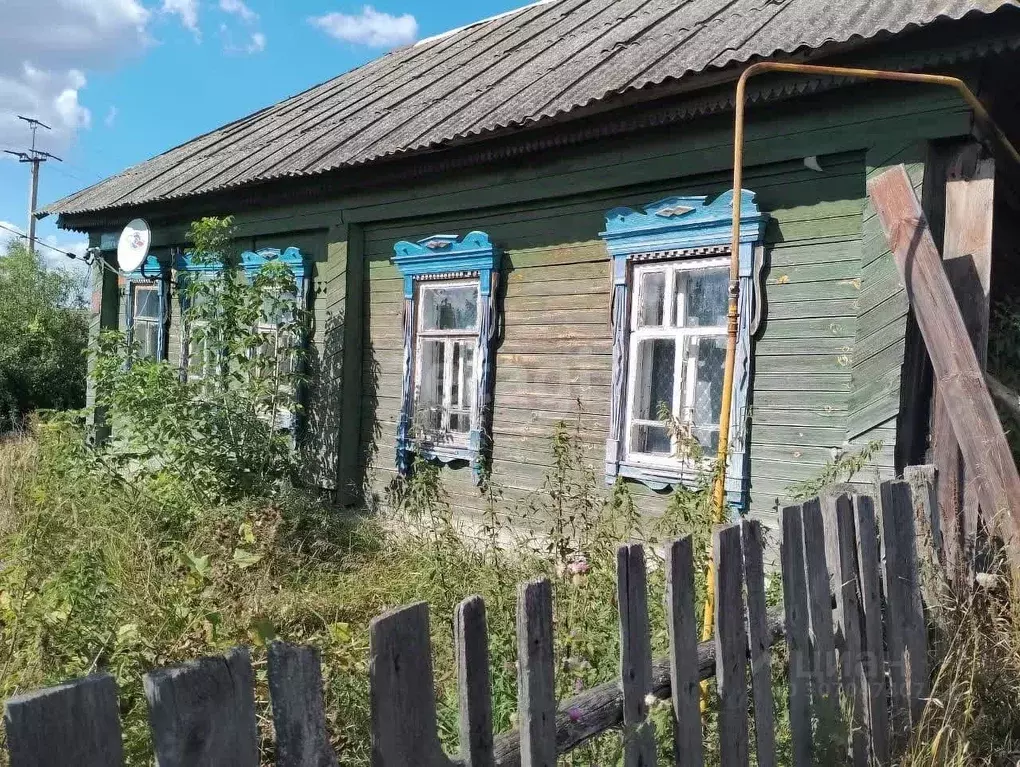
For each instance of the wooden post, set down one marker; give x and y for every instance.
(730, 647)
(683, 625)
(471, 636)
(957, 368)
(759, 643)
(75, 723)
(795, 605)
(203, 713)
(299, 719)
(402, 696)
(536, 690)
(906, 632)
(967, 260)
(873, 642)
(635, 655)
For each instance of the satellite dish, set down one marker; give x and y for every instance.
(133, 246)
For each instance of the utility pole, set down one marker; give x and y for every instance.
(35, 157)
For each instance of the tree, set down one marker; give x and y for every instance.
(43, 336)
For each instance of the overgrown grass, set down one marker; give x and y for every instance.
(973, 715)
(104, 574)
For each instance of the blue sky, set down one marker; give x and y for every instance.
(123, 80)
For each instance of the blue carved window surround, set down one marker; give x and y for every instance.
(146, 302)
(675, 230)
(251, 262)
(428, 266)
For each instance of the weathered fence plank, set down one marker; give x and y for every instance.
(930, 551)
(906, 633)
(731, 647)
(536, 691)
(868, 568)
(759, 643)
(795, 605)
(471, 637)
(682, 622)
(402, 697)
(203, 713)
(848, 626)
(295, 688)
(823, 646)
(594, 711)
(75, 723)
(635, 655)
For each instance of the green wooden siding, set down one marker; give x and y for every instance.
(827, 359)
(815, 369)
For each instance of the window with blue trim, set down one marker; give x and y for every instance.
(201, 355)
(145, 292)
(450, 288)
(670, 295)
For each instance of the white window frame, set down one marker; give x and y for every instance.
(466, 387)
(154, 322)
(683, 379)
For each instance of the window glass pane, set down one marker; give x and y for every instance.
(702, 297)
(146, 335)
(654, 377)
(146, 302)
(652, 298)
(462, 387)
(709, 358)
(651, 440)
(449, 308)
(431, 378)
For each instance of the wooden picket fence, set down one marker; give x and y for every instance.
(852, 619)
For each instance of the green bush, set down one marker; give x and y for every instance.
(103, 572)
(223, 432)
(43, 334)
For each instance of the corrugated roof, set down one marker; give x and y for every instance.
(521, 67)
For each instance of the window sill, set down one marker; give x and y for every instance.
(446, 453)
(659, 476)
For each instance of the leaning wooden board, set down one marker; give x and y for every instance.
(956, 366)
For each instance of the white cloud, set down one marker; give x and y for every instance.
(111, 117)
(370, 27)
(46, 46)
(239, 9)
(187, 10)
(257, 44)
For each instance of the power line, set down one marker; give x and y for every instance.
(35, 157)
(87, 258)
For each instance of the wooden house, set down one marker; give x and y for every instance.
(526, 221)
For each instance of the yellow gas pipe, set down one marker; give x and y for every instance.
(719, 490)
